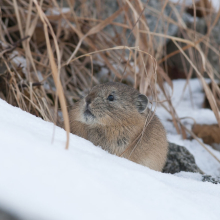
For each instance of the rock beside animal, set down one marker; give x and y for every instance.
(117, 118)
(180, 159)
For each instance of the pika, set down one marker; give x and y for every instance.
(116, 117)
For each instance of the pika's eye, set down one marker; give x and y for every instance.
(110, 98)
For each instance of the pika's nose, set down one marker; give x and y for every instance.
(88, 101)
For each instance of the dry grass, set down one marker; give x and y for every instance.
(61, 54)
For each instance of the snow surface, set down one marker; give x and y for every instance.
(215, 3)
(42, 180)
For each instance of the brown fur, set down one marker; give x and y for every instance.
(116, 125)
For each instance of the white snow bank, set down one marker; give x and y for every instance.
(42, 180)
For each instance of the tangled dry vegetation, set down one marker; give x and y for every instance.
(50, 56)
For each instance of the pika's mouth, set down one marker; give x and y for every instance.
(88, 113)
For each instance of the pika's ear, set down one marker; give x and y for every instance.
(141, 103)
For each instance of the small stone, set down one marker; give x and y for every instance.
(208, 178)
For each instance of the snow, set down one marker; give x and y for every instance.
(188, 104)
(42, 180)
(215, 3)
(19, 60)
(186, 2)
(56, 11)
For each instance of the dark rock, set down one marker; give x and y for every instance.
(201, 27)
(208, 178)
(155, 22)
(5, 215)
(180, 159)
(178, 65)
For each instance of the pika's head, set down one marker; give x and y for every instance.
(112, 104)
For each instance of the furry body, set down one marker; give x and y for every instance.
(118, 125)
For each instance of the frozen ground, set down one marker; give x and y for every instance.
(41, 180)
